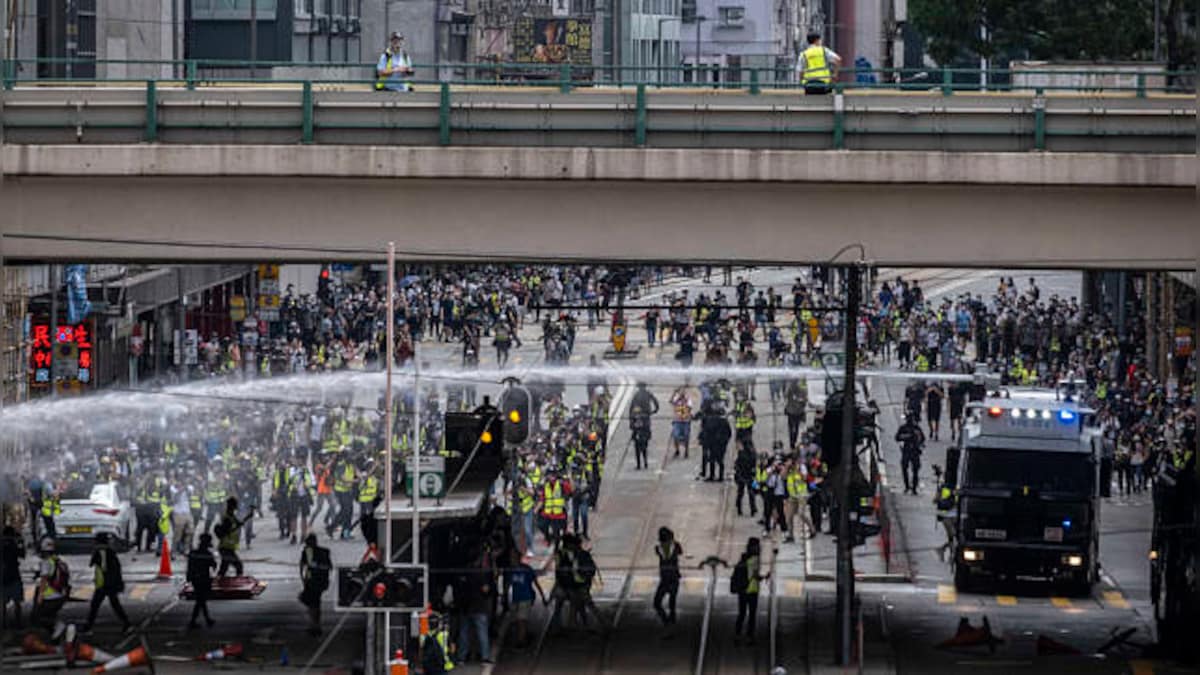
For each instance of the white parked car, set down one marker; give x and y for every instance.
(91, 508)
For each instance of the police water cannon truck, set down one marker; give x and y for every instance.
(1023, 487)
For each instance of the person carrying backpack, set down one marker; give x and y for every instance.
(109, 583)
(744, 583)
(315, 566)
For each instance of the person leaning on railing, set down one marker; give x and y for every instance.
(816, 66)
(394, 66)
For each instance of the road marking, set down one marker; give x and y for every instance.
(1061, 603)
(1115, 599)
(84, 592)
(946, 594)
(1006, 600)
(141, 591)
(643, 585)
(793, 588)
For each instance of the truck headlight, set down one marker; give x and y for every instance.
(972, 555)
(1074, 561)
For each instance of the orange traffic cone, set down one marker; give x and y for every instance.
(164, 563)
(133, 659)
(1049, 647)
(82, 651)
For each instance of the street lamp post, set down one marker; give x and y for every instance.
(661, 21)
(696, 61)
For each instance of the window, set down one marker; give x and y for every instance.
(731, 17)
(688, 11)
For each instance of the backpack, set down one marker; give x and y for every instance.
(586, 567)
(740, 579)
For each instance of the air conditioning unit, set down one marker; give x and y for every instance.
(337, 27)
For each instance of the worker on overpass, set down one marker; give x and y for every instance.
(394, 65)
(816, 66)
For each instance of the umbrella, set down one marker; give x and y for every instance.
(409, 280)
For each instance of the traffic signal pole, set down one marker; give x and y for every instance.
(845, 546)
(388, 426)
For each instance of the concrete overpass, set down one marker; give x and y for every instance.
(208, 188)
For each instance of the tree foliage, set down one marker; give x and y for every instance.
(1084, 30)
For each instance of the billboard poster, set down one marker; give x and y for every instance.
(552, 40)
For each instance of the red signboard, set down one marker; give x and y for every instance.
(69, 352)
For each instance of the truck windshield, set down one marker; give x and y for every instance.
(1058, 472)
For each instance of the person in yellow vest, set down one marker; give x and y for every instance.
(53, 586)
(214, 496)
(228, 533)
(394, 65)
(344, 477)
(743, 419)
(797, 502)
(51, 508)
(554, 507)
(435, 648)
(109, 583)
(816, 66)
(164, 521)
(368, 499)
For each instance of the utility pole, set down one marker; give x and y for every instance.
(845, 544)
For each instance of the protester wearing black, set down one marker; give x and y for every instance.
(315, 568)
(200, 565)
(911, 441)
(714, 439)
(668, 551)
(743, 475)
(109, 582)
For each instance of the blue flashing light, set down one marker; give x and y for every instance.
(1066, 524)
(1066, 416)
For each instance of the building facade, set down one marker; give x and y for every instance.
(723, 40)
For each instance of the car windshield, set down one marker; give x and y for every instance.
(1059, 472)
(97, 492)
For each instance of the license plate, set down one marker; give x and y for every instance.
(1053, 534)
(79, 529)
(984, 533)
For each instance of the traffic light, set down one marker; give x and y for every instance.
(393, 588)
(514, 404)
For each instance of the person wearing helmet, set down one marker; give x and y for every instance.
(911, 440)
(435, 647)
(109, 583)
(53, 585)
(228, 532)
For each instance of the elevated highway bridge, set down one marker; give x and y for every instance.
(308, 172)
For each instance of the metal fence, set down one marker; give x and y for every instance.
(567, 76)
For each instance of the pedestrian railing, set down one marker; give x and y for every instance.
(1137, 80)
(592, 106)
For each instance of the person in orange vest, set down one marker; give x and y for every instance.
(324, 495)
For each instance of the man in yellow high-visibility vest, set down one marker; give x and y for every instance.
(816, 66)
(394, 65)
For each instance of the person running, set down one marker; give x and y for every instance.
(109, 583)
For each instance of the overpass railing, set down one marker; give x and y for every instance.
(199, 101)
(1137, 80)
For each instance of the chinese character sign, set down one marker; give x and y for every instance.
(64, 355)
